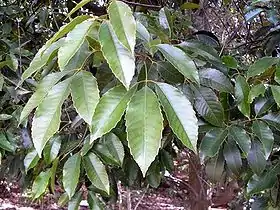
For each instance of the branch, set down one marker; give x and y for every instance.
(149, 6)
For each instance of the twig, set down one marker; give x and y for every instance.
(150, 6)
(140, 200)
(128, 199)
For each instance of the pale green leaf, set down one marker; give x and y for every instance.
(4, 117)
(272, 119)
(189, 5)
(71, 174)
(31, 160)
(74, 203)
(144, 125)
(165, 20)
(180, 61)
(256, 91)
(94, 202)
(109, 111)
(51, 150)
(47, 116)
(42, 90)
(43, 56)
(96, 172)
(40, 184)
(180, 114)
(123, 23)
(242, 90)
(212, 142)
(85, 94)
(78, 6)
(208, 106)
(119, 58)
(261, 65)
(265, 135)
(75, 51)
(142, 33)
(276, 93)
(241, 137)
(1, 81)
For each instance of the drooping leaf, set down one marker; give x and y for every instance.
(265, 135)
(74, 52)
(208, 106)
(71, 174)
(263, 104)
(144, 125)
(165, 20)
(94, 202)
(109, 111)
(74, 203)
(242, 90)
(43, 56)
(53, 175)
(42, 90)
(110, 149)
(215, 167)
(232, 156)
(96, 172)
(180, 61)
(169, 73)
(51, 150)
(119, 58)
(256, 91)
(263, 182)
(212, 142)
(31, 160)
(5, 144)
(154, 174)
(180, 114)
(78, 6)
(276, 93)
(85, 94)
(215, 79)
(272, 119)
(261, 65)
(40, 184)
(123, 23)
(256, 157)
(142, 33)
(47, 116)
(241, 137)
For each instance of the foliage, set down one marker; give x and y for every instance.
(109, 87)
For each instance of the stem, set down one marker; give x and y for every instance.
(140, 200)
(150, 6)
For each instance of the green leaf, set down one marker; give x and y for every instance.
(85, 94)
(212, 142)
(109, 111)
(47, 116)
(74, 203)
(180, 114)
(252, 14)
(73, 54)
(261, 65)
(232, 156)
(71, 174)
(40, 184)
(230, 62)
(263, 104)
(78, 6)
(277, 74)
(215, 79)
(53, 174)
(51, 150)
(110, 149)
(42, 90)
(165, 20)
(242, 90)
(256, 91)
(154, 174)
(265, 135)
(272, 119)
(5, 144)
(119, 58)
(94, 202)
(4, 117)
(142, 33)
(180, 61)
(123, 23)
(276, 93)
(63, 200)
(256, 157)
(31, 160)
(241, 137)
(208, 106)
(215, 167)
(43, 56)
(1, 81)
(189, 5)
(144, 125)
(96, 172)
(169, 73)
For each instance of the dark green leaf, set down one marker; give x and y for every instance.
(256, 91)
(273, 119)
(169, 73)
(242, 90)
(94, 202)
(261, 65)
(241, 137)
(52, 149)
(5, 144)
(256, 157)
(230, 62)
(232, 156)
(215, 167)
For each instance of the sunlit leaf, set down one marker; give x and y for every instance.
(31, 160)
(40, 184)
